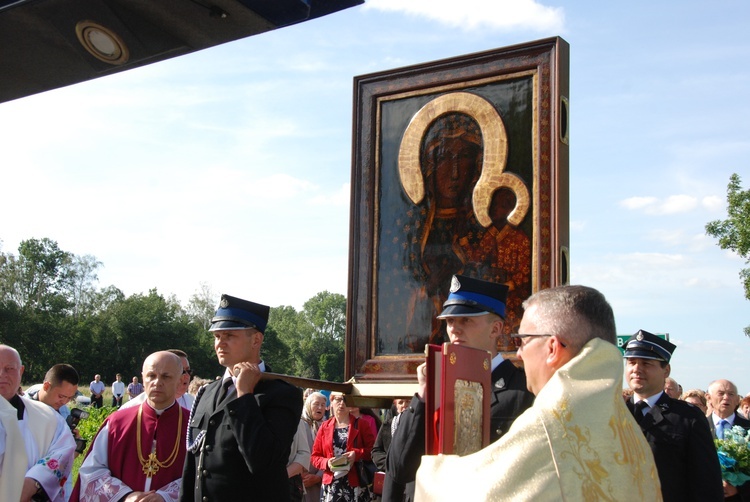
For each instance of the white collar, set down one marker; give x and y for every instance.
(227, 374)
(496, 361)
(718, 419)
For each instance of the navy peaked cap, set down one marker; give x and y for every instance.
(646, 345)
(473, 297)
(236, 313)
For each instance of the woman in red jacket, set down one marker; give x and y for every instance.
(342, 435)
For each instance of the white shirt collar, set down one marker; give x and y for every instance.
(718, 419)
(227, 374)
(496, 361)
(651, 400)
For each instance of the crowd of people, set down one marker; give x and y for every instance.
(562, 428)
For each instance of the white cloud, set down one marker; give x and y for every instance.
(713, 203)
(673, 204)
(341, 197)
(676, 237)
(639, 202)
(472, 14)
(281, 186)
(677, 204)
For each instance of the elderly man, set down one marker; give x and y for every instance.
(139, 452)
(97, 391)
(242, 427)
(724, 399)
(677, 432)
(134, 388)
(36, 446)
(183, 398)
(473, 314)
(672, 388)
(578, 441)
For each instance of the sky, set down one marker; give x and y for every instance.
(231, 167)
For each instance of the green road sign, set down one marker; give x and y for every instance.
(621, 339)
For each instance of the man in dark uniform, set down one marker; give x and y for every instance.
(677, 432)
(474, 313)
(241, 427)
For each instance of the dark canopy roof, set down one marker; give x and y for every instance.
(43, 43)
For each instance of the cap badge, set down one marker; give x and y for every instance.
(639, 336)
(224, 303)
(455, 285)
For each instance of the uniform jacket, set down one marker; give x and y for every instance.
(744, 489)
(245, 449)
(684, 451)
(359, 439)
(509, 399)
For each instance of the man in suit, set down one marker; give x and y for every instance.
(724, 400)
(677, 432)
(474, 313)
(242, 427)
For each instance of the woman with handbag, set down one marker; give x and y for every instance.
(339, 450)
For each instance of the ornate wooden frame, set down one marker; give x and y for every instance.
(396, 107)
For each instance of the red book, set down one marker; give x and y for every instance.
(457, 399)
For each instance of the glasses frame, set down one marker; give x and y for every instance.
(523, 336)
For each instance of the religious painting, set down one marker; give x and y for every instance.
(460, 167)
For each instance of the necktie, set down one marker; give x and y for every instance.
(394, 424)
(224, 392)
(720, 428)
(640, 407)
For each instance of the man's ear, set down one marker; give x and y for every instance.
(46, 386)
(558, 355)
(667, 370)
(497, 328)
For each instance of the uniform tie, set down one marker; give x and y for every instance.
(720, 428)
(224, 392)
(640, 407)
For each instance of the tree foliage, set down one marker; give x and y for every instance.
(734, 232)
(52, 311)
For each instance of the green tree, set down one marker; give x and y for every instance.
(276, 353)
(734, 232)
(324, 318)
(202, 305)
(82, 284)
(39, 277)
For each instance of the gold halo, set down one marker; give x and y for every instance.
(494, 139)
(102, 43)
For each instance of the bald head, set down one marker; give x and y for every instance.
(162, 372)
(11, 370)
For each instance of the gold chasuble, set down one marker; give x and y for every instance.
(577, 442)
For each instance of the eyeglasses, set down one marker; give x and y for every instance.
(525, 337)
(187, 372)
(337, 398)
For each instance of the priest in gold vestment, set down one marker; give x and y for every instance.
(578, 441)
